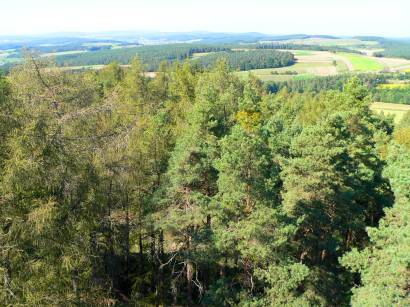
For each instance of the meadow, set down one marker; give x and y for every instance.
(363, 63)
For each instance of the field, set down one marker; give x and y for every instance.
(5, 57)
(363, 63)
(393, 109)
(302, 52)
(393, 86)
(323, 63)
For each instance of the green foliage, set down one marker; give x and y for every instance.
(151, 56)
(194, 188)
(396, 95)
(248, 60)
(320, 84)
(283, 46)
(384, 265)
(394, 49)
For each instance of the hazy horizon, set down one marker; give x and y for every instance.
(317, 17)
(90, 34)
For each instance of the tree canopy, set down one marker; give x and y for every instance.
(197, 188)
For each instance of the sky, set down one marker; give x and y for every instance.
(347, 17)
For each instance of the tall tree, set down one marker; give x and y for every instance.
(384, 264)
(333, 183)
(251, 232)
(192, 176)
(48, 213)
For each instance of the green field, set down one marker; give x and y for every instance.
(362, 63)
(304, 70)
(301, 52)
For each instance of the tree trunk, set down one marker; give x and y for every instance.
(189, 276)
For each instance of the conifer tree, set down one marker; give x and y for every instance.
(384, 264)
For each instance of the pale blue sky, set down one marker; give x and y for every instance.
(347, 17)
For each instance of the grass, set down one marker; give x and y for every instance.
(391, 109)
(309, 65)
(301, 52)
(362, 63)
(264, 75)
(341, 67)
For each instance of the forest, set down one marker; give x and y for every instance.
(394, 48)
(292, 46)
(393, 95)
(151, 56)
(198, 188)
(248, 60)
(377, 84)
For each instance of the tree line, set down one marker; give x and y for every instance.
(399, 93)
(394, 49)
(151, 56)
(197, 188)
(291, 46)
(248, 60)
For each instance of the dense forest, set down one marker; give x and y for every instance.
(319, 84)
(197, 188)
(248, 60)
(289, 46)
(393, 95)
(152, 56)
(377, 84)
(394, 49)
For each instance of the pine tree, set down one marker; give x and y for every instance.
(192, 176)
(384, 264)
(251, 232)
(333, 183)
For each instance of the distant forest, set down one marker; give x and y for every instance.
(394, 49)
(287, 46)
(396, 94)
(151, 56)
(248, 60)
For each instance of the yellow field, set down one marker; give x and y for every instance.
(394, 109)
(392, 86)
